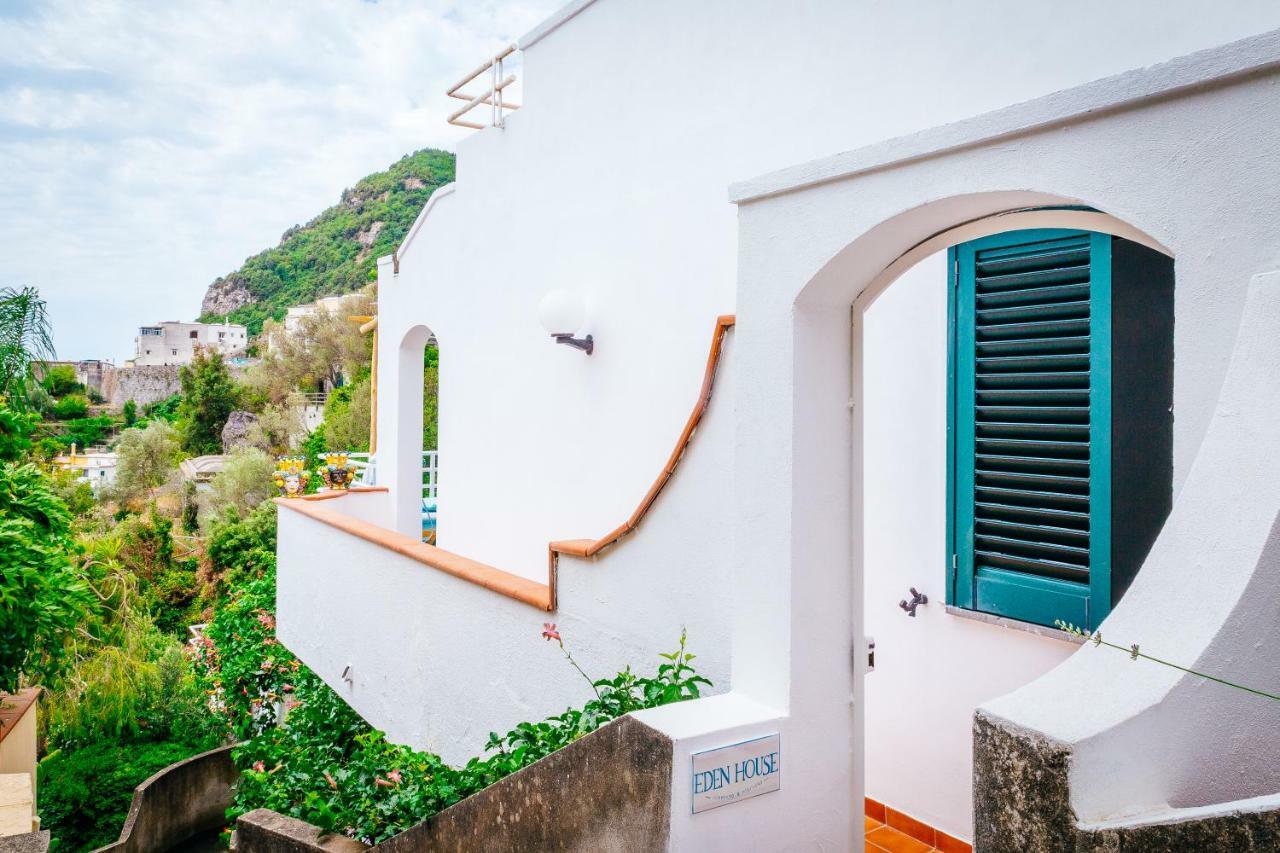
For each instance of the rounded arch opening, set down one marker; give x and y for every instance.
(916, 745)
(415, 485)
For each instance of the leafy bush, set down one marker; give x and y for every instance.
(15, 432)
(71, 406)
(41, 597)
(243, 483)
(60, 380)
(168, 588)
(146, 458)
(82, 432)
(164, 410)
(85, 795)
(346, 417)
(323, 764)
(244, 548)
(136, 689)
(74, 492)
(130, 413)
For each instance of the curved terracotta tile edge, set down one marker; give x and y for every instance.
(591, 547)
(339, 493)
(541, 596)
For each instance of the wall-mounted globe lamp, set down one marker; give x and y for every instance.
(562, 314)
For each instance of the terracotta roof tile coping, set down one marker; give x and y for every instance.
(539, 595)
(542, 596)
(13, 706)
(591, 547)
(330, 494)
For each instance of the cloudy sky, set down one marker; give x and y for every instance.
(147, 147)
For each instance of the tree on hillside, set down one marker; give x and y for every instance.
(15, 432)
(244, 483)
(42, 599)
(60, 380)
(146, 458)
(25, 338)
(324, 345)
(208, 397)
(346, 418)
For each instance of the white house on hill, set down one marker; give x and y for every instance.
(172, 342)
(981, 302)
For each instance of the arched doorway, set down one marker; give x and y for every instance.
(416, 459)
(935, 667)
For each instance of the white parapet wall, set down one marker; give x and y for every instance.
(439, 662)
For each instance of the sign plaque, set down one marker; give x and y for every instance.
(734, 773)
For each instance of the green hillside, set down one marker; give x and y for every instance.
(337, 251)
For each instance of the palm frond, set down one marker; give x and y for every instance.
(26, 337)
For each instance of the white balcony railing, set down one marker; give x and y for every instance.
(367, 471)
(491, 97)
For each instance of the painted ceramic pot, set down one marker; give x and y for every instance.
(291, 478)
(337, 472)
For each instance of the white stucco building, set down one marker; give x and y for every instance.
(293, 317)
(172, 342)
(97, 467)
(992, 298)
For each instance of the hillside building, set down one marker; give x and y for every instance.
(94, 466)
(174, 343)
(980, 307)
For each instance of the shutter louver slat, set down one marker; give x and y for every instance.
(1028, 363)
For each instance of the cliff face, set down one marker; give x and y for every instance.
(334, 253)
(224, 296)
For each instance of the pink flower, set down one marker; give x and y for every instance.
(549, 631)
(395, 776)
(287, 688)
(332, 783)
(259, 766)
(382, 783)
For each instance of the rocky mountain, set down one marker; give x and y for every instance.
(337, 251)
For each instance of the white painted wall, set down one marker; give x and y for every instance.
(440, 663)
(828, 230)
(611, 182)
(933, 670)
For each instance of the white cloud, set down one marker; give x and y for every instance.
(148, 147)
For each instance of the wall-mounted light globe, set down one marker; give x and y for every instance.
(562, 313)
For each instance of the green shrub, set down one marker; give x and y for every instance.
(243, 483)
(71, 406)
(244, 548)
(15, 432)
(82, 432)
(163, 410)
(136, 689)
(85, 794)
(323, 764)
(41, 597)
(130, 413)
(60, 380)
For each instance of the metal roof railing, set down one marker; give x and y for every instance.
(491, 97)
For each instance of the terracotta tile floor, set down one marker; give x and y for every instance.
(886, 839)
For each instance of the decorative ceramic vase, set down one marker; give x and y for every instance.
(290, 477)
(337, 472)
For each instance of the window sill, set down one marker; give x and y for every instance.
(1016, 625)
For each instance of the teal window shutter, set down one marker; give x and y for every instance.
(1029, 426)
